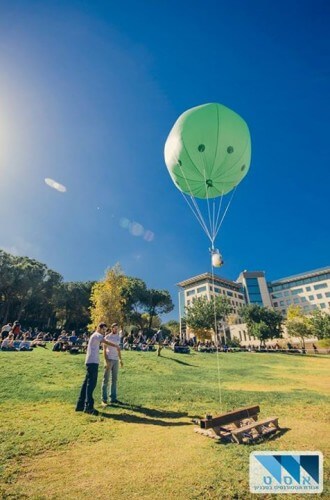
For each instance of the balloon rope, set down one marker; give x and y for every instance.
(211, 222)
(201, 222)
(197, 211)
(217, 340)
(213, 217)
(225, 212)
(218, 215)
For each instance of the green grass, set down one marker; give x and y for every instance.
(148, 449)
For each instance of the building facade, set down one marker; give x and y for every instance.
(309, 290)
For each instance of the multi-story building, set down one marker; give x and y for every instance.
(255, 288)
(309, 290)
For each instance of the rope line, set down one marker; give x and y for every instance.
(216, 341)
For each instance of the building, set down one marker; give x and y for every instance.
(309, 290)
(255, 288)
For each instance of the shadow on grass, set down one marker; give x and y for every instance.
(151, 412)
(179, 361)
(135, 419)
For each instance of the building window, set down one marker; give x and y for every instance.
(275, 304)
(230, 294)
(288, 302)
(319, 295)
(320, 285)
(323, 306)
(327, 294)
(296, 300)
(308, 288)
(191, 292)
(201, 289)
(286, 293)
(303, 299)
(277, 295)
(310, 297)
(297, 291)
(282, 303)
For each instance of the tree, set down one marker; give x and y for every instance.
(108, 302)
(134, 295)
(73, 304)
(26, 287)
(262, 322)
(298, 324)
(173, 327)
(320, 323)
(156, 302)
(203, 315)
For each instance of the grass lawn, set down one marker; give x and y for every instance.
(148, 449)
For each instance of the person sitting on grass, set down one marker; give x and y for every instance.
(8, 343)
(85, 401)
(5, 330)
(25, 345)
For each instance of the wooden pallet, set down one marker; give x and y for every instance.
(238, 426)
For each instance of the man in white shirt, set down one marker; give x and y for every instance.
(85, 401)
(112, 357)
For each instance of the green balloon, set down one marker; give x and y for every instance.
(208, 151)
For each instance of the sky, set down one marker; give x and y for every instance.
(89, 91)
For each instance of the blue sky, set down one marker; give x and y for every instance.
(89, 91)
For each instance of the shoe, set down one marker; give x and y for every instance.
(91, 412)
(116, 402)
(78, 408)
(104, 404)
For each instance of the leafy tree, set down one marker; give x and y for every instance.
(298, 324)
(26, 285)
(203, 315)
(262, 323)
(108, 302)
(156, 302)
(9, 274)
(134, 294)
(73, 304)
(320, 323)
(173, 327)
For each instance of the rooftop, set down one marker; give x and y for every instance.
(308, 274)
(208, 277)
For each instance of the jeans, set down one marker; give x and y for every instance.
(85, 400)
(113, 371)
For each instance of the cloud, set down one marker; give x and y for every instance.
(55, 185)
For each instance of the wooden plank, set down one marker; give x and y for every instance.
(260, 423)
(230, 417)
(238, 433)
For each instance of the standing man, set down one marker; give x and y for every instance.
(85, 401)
(112, 356)
(159, 340)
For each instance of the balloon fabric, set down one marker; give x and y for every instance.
(208, 151)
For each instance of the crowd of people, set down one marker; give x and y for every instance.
(14, 338)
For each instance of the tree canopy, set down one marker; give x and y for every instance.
(262, 322)
(204, 315)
